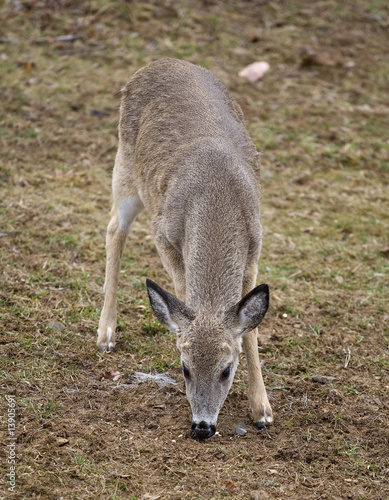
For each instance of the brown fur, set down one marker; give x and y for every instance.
(185, 155)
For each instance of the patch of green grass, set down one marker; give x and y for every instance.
(89, 312)
(349, 448)
(315, 329)
(67, 241)
(81, 460)
(153, 327)
(51, 408)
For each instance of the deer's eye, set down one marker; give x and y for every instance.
(226, 373)
(186, 372)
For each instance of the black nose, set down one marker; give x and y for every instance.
(203, 430)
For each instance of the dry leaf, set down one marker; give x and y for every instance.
(111, 375)
(230, 486)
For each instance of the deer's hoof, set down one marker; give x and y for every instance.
(104, 348)
(260, 425)
(263, 422)
(264, 417)
(105, 342)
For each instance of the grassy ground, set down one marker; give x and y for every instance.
(320, 118)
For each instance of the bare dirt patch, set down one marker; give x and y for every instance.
(320, 118)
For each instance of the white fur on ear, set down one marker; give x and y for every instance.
(173, 327)
(255, 306)
(162, 311)
(250, 311)
(170, 310)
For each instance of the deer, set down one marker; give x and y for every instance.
(185, 156)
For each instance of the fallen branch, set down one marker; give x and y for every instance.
(119, 475)
(60, 38)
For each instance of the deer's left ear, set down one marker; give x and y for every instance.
(170, 310)
(248, 313)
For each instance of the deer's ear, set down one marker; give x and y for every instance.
(170, 310)
(249, 312)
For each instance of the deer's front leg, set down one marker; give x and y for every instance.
(259, 403)
(114, 246)
(122, 216)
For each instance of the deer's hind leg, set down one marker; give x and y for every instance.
(126, 206)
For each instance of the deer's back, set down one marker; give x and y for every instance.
(170, 110)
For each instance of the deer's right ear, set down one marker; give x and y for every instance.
(170, 310)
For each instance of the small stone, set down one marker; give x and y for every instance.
(240, 431)
(255, 71)
(323, 379)
(56, 326)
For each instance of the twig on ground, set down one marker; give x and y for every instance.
(348, 356)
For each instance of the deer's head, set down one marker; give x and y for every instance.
(209, 345)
